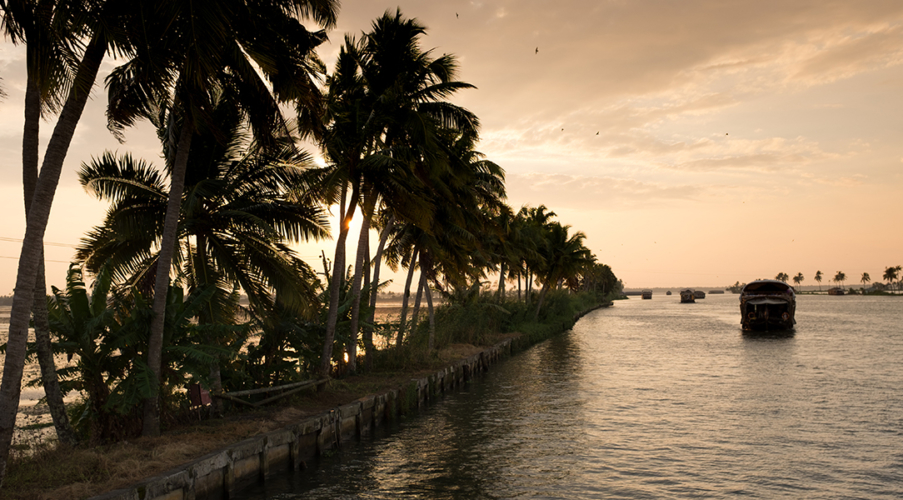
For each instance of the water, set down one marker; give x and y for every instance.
(655, 399)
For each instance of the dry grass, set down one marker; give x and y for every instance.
(58, 473)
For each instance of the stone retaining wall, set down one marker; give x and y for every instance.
(222, 473)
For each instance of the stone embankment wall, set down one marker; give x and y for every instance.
(220, 474)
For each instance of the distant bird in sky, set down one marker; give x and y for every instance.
(456, 15)
(597, 133)
(537, 50)
(725, 133)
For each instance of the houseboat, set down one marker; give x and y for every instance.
(668, 292)
(699, 294)
(647, 294)
(687, 296)
(715, 292)
(835, 291)
(767, 305)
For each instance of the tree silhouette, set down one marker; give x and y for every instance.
(865, 279)
(798, 279)
(818, 279)
(840, 277)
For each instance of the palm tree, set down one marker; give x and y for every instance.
(49, 70)
(798, 279)
(782, 277)
(242, 205)
(840, 277)
(191, 53)
(101, 15)
(385, 105)
(890, 275)
(818, 278)
(565, 258)
(865, 279)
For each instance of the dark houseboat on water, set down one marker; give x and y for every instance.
(647, 294)
(687, 296)
(699, 294)
(767, 305)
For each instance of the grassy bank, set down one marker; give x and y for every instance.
(48, 471)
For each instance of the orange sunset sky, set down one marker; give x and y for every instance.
(694, 142)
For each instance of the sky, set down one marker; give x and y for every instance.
(694, 142)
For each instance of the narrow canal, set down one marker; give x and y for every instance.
(655, 399)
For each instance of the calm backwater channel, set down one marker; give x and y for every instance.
(655, 399)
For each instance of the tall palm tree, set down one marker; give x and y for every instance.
(890, 275)
(818, 278)
(386, 102)
(100, 31)
(865, 279)
(840, 277)
(798, 279)
(48, 35)
(241, 207)
(564, 257)
(191, 52)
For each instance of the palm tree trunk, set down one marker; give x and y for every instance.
(374, 293)
(542, 296)
(338, 272)
(502, 284)
(49, 378)
(367, 333)
(359, 264)
(151, 424)
(415, 315)
(31, 255)
(405, 296)
(518, 287)
(204, 280)
(432, 315)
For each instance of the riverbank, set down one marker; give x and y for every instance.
(59, 473)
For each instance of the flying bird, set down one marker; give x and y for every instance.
(456, 15)
(537, 50)
(597, 133)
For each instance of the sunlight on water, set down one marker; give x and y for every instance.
(656, 399)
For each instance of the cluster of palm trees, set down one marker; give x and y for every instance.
(215, 77)
(890, 276)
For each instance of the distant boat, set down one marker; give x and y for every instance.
(647, 294)
(835, 291)
(687, 296)
(699, 294)
(767, 305)
(668, 292)
(715, 292)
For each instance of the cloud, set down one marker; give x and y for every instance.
(594, 192)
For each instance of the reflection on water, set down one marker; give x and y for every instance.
(656, 399)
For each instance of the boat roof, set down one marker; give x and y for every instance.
(767, 286)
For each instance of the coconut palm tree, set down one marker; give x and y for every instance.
(386, 102)
(241, 206)
(100, 31)
(865, 279)
(840, 277)
(818, 278)
(192, 52)
(564, 257)
(48, 35)
(798, 279)
(890, 275)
